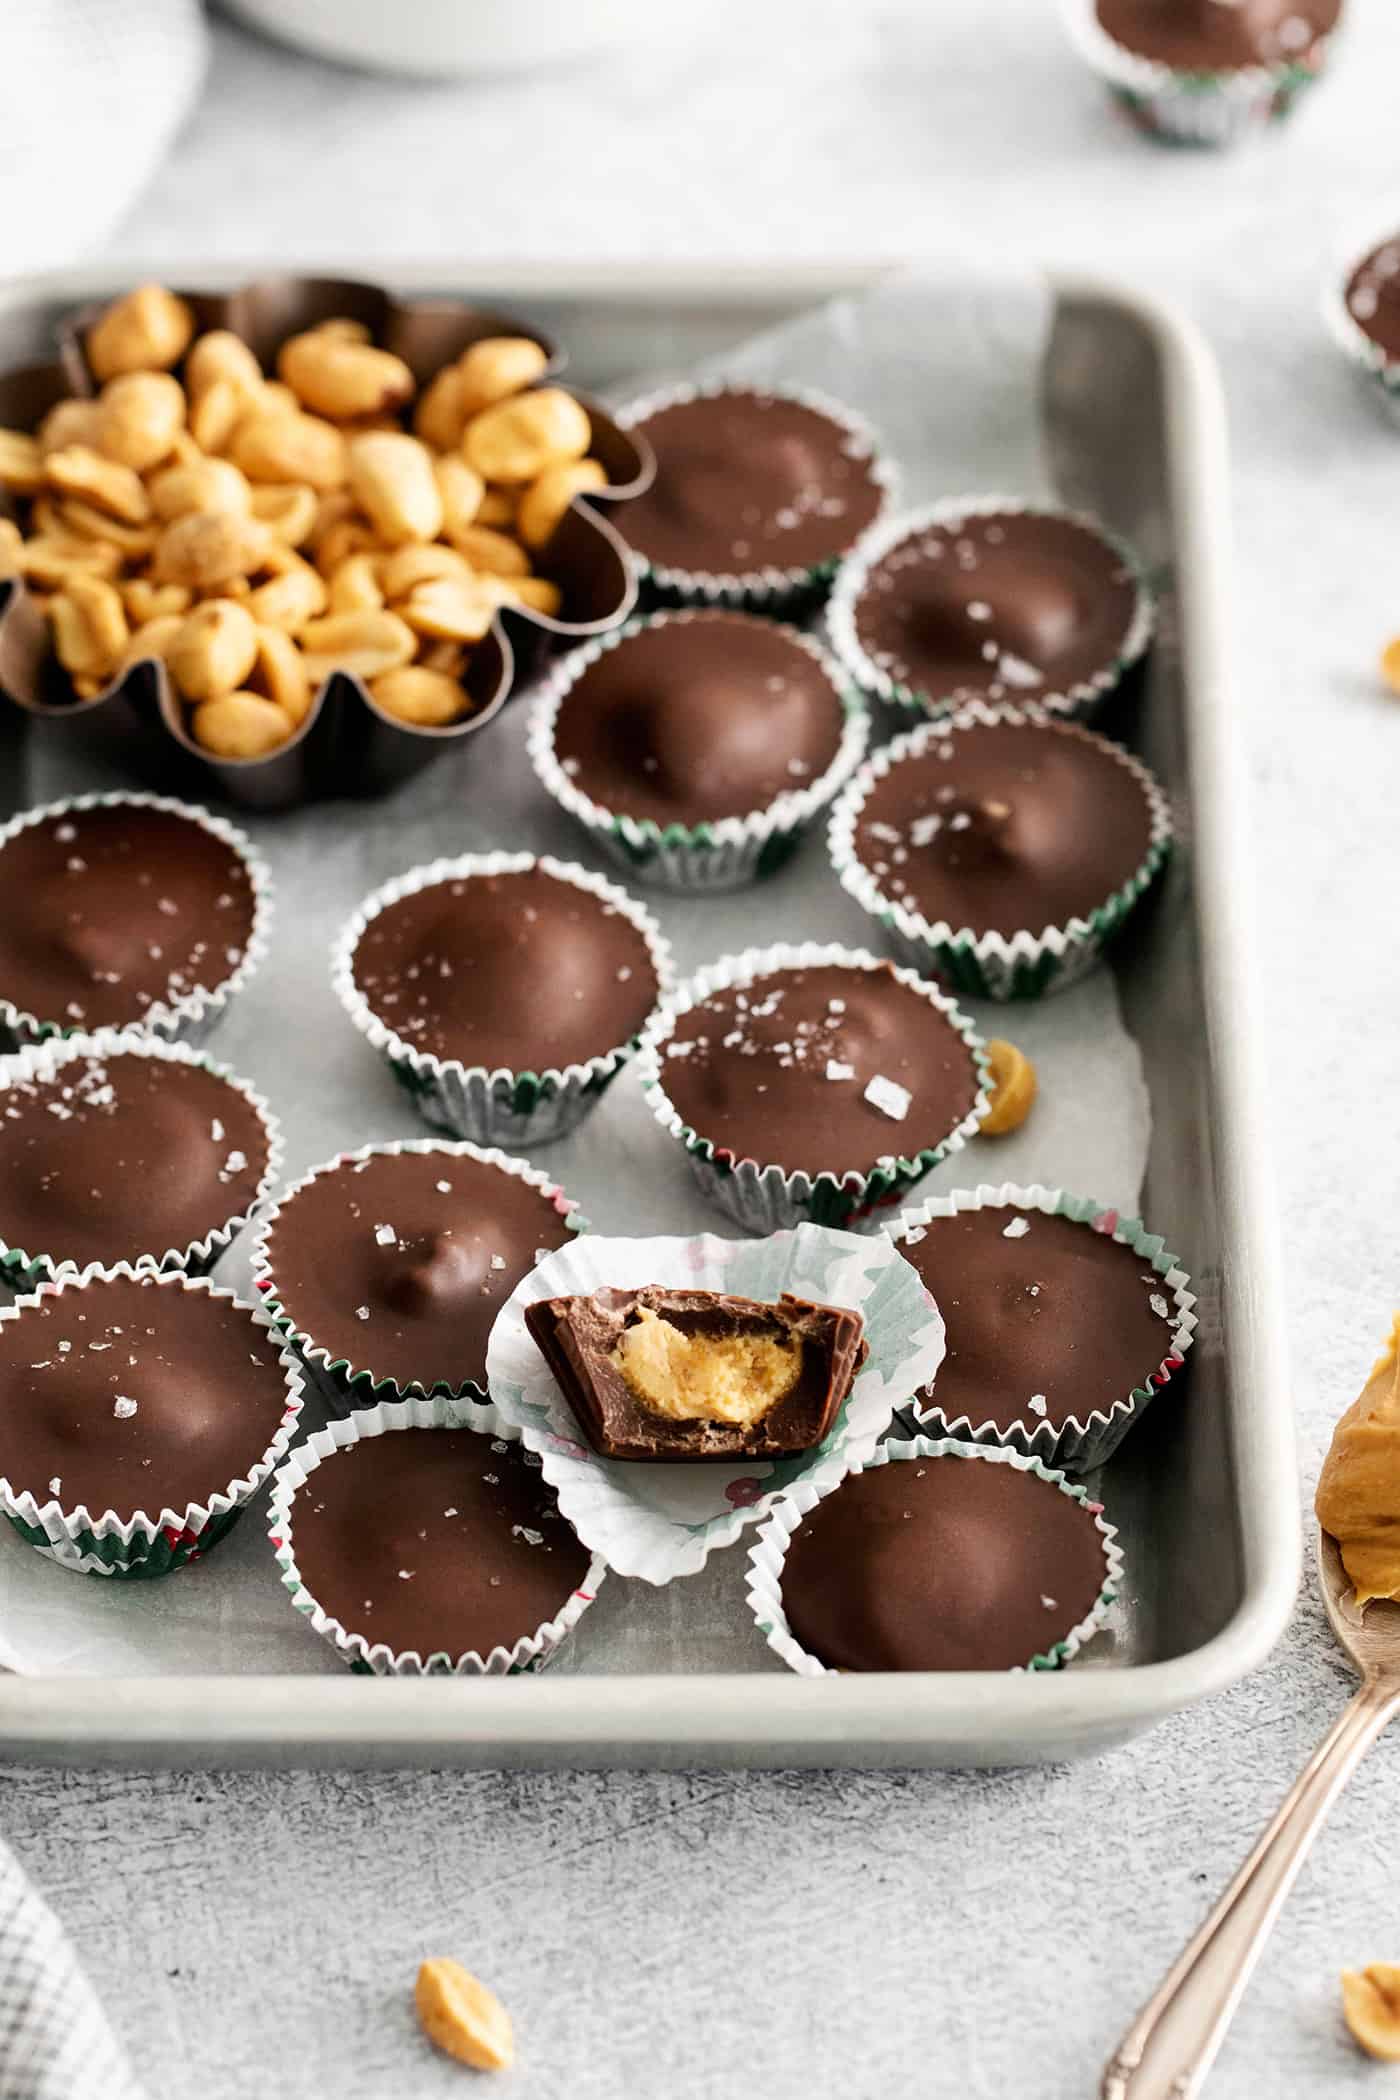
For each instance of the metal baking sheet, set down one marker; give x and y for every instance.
(1203, 1491)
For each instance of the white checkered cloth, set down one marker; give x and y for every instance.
(55, 2043)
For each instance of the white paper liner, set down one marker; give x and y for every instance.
(1076, 1444)
(531, 1652)
(1207, 108)
(42, 1062)
(766, 1197)
(64, 1529)
(1027, 964)
(339, 1382)
(724, 853)
(768, 1555)
(191, 1018)
(661, 1521)
(1361, 351)
(1075, 701)
(468, 1101)
(772, 585)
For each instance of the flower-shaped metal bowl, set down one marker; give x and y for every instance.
(347, 745)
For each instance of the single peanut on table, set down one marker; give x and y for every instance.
(462, 2017)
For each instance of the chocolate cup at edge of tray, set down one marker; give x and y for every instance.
(347, 746)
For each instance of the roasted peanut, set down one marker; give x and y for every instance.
(207, 549)
(517, 439)
(498, 507)
(493, 553)
(538, 593)
(298, 447)
(336, 375)
(21, 462)
(392, 479)
(78, 471)
(152, 640)
(354, 587)
(206, 484)
(215, 649)
(280, 673)
(341, 328)
(461, 490)
(89, 626)
(448, 657)
(546, 500)
(51, 560)
(216, 414)
(496, 367)
(1012, 1086)
(69, 423)
(146, 601)
(139, 418)
(147, 331)
(451, 609)
(462, 2017)
(407, 567)
(1390, 665)
(222, 355)
(1371, 2004)
(415, 694)
(290, 599)
(78, 519)
(11, 542)
(288, 510)
(441, 415)
(241, 725)
(362, 643)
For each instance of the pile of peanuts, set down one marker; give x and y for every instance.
(257, 534)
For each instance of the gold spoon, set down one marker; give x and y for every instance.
(1172, 2043)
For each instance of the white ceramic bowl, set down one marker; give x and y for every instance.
(454, 36)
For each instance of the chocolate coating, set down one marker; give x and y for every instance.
(693, 719)
(1373, 296)
(755, 1081)
(518, 972)
(124, 1155)
(115, 910)
(1006, 604)
(464, 1233)
(209, 1394)
(748, 481)
(578, 1335)
(435, 1541)
(1004, 827)
(1210, 36)
(1058, 1312)
(941, 1564)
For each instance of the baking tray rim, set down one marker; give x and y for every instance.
(873, 1718)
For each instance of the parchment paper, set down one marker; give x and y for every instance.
(948, 371)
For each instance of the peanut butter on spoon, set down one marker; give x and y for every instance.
(1358, 1493)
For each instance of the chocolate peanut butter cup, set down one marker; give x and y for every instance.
(125, 911)
(138, 1414)
(695, 747)
(1063, 1320)
(1000, 849)
(988, 599)
(935, 1555)
(757, 495)
(118, 1147)
(505, 991)
(1205, 72)
(812, 1083)
(1362, 311)
(421, 1547)
(386, 1267)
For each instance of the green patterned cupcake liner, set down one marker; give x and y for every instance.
(1076, 702)
(23, 1269)
(389, 1418)
(193, 1017)
(347, 1387)
(769, 1553)
(1075, 1445)
(766, 1197)
(769, 589)
(1023, 965)
(492, 1107)
(1380, 371)
(727, 853)
(1194, 108)
(146, 1545)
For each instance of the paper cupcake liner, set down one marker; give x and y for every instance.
(1192, 108)
(530, 1653)
(765, 1198)
(659, 1522)
(192, 1018)
(1076, 702)
(1077, 1444)
(468, 1101)
(25, 1268)
(344, 1386)
(1024, 965)
(726, 853)
(767, 589)
(769, 1553)
(145, 1545)
(1381, 373)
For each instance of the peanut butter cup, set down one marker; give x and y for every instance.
(1216, 36)
(1372, 300)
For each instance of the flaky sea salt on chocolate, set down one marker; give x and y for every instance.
(889, 1097)
(1016, 1230)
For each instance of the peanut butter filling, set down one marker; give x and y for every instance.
(1358, 1494)
(734, 1378)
